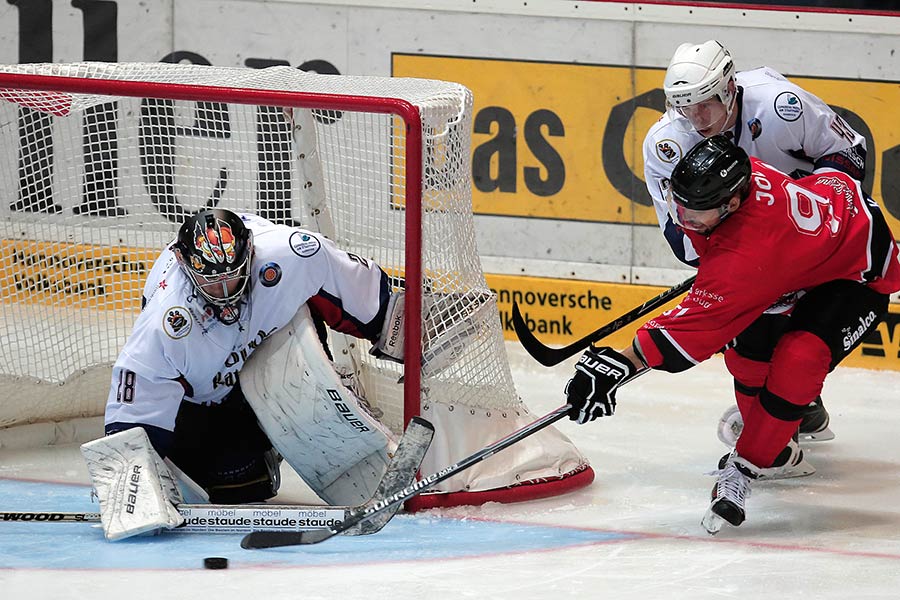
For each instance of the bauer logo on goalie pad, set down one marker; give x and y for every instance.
(134, 484)
(304, 245)
(346, 412)
(177, 322)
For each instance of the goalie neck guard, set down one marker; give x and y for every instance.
(214, 248)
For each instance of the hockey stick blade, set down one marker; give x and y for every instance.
(400, 473)
(374, 507)
(549, 357)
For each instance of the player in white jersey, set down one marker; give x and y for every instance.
(779, 123)
(192, 336)
(759, 110)
(221, 290)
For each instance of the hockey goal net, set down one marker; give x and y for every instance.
(100, 163)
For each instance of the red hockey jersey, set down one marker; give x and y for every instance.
(787, 236)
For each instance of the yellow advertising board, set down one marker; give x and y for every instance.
(76, 275)
(560, 311)
(564, 140)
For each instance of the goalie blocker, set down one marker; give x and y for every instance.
(136, 490)
(451, 320)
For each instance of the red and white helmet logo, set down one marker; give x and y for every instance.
(216, 244)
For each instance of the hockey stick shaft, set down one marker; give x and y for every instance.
(12, 516)
(230, 518)
(549, 357)
(287, 538)
(213, 518)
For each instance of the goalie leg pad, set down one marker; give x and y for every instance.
(319, 426)
(137, 492)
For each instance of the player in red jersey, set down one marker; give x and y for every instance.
(761, 236)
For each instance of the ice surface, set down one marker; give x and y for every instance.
(635, 533)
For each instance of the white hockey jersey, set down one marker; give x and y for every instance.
(777, 122)
(179, 350)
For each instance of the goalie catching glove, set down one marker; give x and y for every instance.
(592, 390)
(449, 323)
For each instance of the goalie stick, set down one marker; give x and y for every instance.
(243, 518)
(549, 357)
(389, 504)
(212, 518)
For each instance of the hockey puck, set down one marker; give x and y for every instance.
(215, 562)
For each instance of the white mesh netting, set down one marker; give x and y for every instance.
(94, 185)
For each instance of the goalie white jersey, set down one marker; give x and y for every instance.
(181, 350)
(777, 121)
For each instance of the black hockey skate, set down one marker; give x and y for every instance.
(729, 493)
(814, 426)
(789, 463)
(732, 487)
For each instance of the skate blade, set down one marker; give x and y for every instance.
(712, 522)
(819, 436)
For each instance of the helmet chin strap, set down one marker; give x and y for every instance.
(728, 124)
(228, 313)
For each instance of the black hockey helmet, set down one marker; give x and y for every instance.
(214, 248)
(710, 174)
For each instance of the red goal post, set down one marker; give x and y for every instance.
(100, 162)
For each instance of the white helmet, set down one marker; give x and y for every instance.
(697, 72)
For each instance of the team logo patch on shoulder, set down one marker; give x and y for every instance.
(788, 106)
(177, 322)
(270, 274)
(668, 151)
(304, 245)
(755, 127)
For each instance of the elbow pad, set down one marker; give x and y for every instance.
(851, 161)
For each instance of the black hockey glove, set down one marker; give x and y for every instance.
(592, 390)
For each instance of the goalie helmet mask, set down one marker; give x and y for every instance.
(214, 248)
(704, 182)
